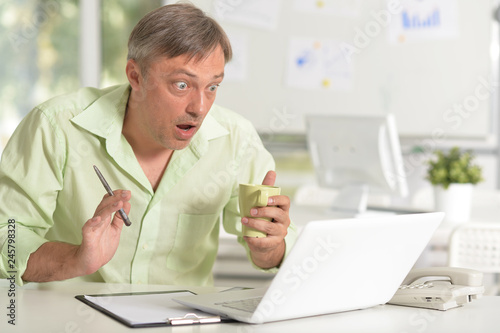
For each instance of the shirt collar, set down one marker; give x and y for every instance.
(209, 130)
(104, 117)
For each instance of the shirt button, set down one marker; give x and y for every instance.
(145, 246)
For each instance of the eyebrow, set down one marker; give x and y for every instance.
(221, 75)
(183, 71)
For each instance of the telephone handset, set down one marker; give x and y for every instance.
(440, 288)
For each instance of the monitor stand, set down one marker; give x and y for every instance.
(352, 202)
(351, 199)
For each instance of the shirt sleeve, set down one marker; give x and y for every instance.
(254, 162)
(30, 179)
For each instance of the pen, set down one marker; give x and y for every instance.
(124, 216)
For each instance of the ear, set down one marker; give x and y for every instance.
(133, 72)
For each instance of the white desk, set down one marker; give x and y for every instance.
(51, 307)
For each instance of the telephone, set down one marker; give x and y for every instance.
(439, 288)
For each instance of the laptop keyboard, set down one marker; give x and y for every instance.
(248, 304)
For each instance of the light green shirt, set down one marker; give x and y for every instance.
(48, 185)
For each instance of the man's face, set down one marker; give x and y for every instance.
(175, 98)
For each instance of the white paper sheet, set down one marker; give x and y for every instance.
(424, 20)
(317, 64)
(256, 13)
(236, 69)
(145, 308)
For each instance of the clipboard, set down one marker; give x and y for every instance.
(148, 309)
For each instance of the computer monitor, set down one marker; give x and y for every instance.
(356, 154)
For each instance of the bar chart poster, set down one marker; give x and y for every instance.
(424, 20)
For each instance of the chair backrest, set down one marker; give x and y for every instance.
(476, 246)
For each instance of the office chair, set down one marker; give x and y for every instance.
(477, 246)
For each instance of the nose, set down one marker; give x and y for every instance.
(198, 104)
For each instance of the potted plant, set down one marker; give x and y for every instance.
(453, 176)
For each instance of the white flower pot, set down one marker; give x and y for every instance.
(455, 202)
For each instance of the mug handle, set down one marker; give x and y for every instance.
(263, 198)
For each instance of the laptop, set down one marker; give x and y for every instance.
(334, 266)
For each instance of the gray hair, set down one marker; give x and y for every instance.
(174, 30)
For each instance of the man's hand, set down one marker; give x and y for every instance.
(55, 261)
(268, 252)
(101, 234)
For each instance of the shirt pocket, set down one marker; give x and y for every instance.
(196, 243)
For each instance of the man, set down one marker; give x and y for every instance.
(155, 137)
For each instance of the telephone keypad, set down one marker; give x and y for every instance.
(417, 286)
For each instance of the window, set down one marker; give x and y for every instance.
(40, 43)
(118, 19)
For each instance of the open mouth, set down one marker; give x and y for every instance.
(185, 127)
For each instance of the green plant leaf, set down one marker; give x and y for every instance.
(453, 167)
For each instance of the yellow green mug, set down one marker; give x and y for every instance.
(251, 196)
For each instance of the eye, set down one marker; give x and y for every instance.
(181, 85)
(213, 88)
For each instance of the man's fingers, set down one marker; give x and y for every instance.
(282, 201)
(270, 228)
(122, 194)
(94, 222)
(117, 219)
(109, 209)
(119, 195)
(270, 178)
(277, 210)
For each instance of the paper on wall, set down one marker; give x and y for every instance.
(236, 69)
(256, 13)
(317, 64)
(423, 20)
